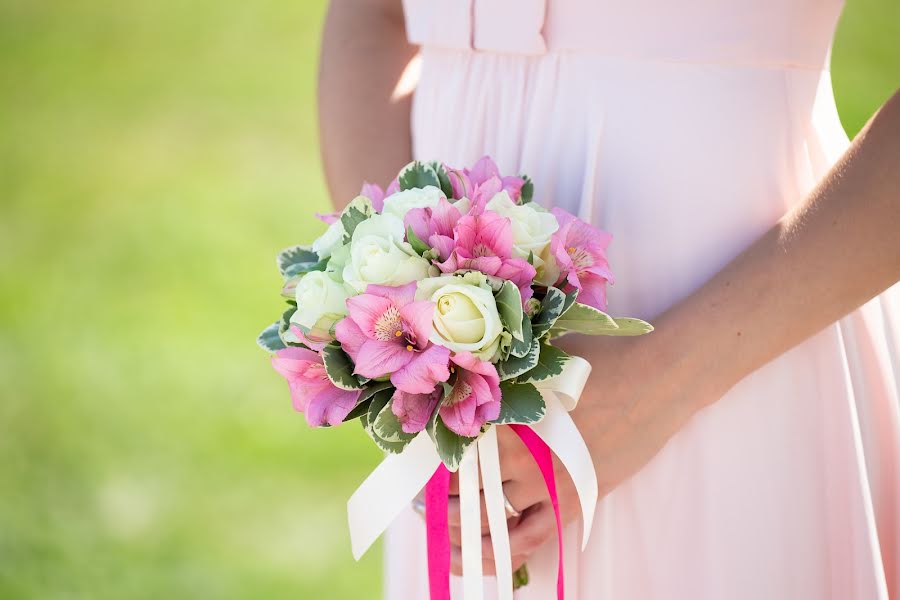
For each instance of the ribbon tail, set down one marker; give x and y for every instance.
(470, 521)
(388, 490)
(489, 459)
(560, 433)
(541, 453)
(438, 533)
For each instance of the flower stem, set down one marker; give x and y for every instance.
(520, 577)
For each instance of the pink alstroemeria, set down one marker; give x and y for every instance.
(311, 391)
(475, 397)
(386, 332)
(434, 226)
(373, 192)
(415, 410)
(484, 179)
(483, 241)
(580, 253)
(328, 218)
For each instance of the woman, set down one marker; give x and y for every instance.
(750, 447)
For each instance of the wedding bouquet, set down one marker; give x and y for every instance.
(426, 312)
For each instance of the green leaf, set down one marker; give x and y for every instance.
(378, 404)
(418, 175)
(270, 340)
(339, 367)
(581, 318)
(571, 297)
(550, 364)
(359, 209)
(514, 366)
(527, 189)
(417, 244)
(521, 403)
(443, 178)
(362, 403)
(297, 260)
(509, 305)
(552, 306)
(450, 446)
(629, 326)
(520, 348)
(387, 427)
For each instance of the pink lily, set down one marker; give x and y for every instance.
(373, 192)
(434, 226)
(387, 332)
(415, 410)
(580, 253)
(466, 182)
(475, 397)
(483, 241)
(312, 392)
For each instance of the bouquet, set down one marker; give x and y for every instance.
(426, 312)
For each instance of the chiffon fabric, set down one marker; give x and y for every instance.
(686, 129)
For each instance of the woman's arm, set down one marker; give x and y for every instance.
(363, 110)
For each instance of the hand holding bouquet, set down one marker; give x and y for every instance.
(426, 312)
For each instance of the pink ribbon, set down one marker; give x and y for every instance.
(540, 451)
(437, 493)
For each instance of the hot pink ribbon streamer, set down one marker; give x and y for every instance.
(544, 459)
(436, 496)
(437, 493)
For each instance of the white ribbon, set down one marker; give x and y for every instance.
(400, 477)
(496, 511)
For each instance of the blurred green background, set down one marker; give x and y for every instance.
(153, 158)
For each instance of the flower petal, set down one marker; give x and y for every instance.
(415, 410)
(366, 309)
(426, 369)
(350, 336)
(377, 358)
(330, 405)
(416, 318)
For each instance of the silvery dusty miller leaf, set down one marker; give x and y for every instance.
(521, 403)
(339, 368)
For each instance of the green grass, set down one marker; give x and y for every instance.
(153, 157)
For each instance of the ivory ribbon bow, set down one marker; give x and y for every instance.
(400, 477)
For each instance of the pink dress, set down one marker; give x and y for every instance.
(686, 129)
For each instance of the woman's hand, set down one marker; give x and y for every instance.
(625, 415)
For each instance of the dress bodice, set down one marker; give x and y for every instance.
(774, 33)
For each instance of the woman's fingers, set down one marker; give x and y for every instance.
(456, 532)
(521, 495)
(537, 526)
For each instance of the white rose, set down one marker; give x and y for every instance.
(326, 243)
(465, 316)
(532, 228)
(379, 255)
(402, 202)
(321, 302)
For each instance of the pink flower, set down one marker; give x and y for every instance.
(373, 192)
(580, 253)
(387, 332)
(328, 218)
(482, 179)
(434, 226)
(311, 391)
(483, 241)
(475, 397)
(415, 410)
